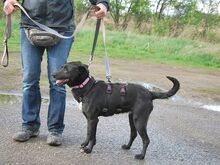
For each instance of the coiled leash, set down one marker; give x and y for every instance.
(4, 62)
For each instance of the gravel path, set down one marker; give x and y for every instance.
(179, 134)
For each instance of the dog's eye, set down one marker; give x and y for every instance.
(64, 68)
(61, 67)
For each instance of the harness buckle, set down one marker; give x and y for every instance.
(109, 78)
(123, 90)
(109, 89)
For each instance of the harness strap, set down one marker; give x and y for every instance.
(108, 93)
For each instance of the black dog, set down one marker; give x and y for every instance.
(105, 99)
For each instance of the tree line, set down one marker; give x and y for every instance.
(196, 19)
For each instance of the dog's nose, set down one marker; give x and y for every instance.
(55, 72)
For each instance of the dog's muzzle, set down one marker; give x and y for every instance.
(61, 82)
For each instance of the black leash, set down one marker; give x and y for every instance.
(98, 23)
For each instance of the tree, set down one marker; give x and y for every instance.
(118, 8)
(210, 7)
(181, 10)
(141, 12)
(161, 6)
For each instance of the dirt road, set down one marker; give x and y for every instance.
(196, 84)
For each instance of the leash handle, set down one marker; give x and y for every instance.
(5, 62)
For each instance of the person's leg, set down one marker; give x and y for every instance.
(31, 57)
(57, 56)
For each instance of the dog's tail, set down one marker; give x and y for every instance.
(171, 92)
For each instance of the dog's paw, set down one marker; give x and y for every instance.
(85, 150)
(125, 147)
(81, 147)
(139, 156)
(84, 144)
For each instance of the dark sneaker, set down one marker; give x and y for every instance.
(25, 135)
(54, 139)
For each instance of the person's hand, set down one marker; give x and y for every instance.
(102, 11)
(9, 6)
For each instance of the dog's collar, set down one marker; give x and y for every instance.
(83, 83)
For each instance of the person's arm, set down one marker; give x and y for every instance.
(9, 6)
(103, 5)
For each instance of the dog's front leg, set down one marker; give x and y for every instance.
(86, 142)
(91, 135)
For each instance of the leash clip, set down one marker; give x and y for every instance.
(90, 61)
(109, 78)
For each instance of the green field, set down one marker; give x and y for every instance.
(129, 45)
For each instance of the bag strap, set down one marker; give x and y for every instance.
(52, 31)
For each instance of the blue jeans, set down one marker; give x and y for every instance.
(31, 63)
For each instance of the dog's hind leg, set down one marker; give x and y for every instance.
(140, 125)
(133, 133)
(91, 135)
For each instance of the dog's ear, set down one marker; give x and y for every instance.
(83, 68)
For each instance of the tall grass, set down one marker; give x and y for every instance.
(143, 47)
(129, 45)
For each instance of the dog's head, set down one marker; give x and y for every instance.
(72, 73)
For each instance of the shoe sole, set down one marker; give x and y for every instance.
(54, 144)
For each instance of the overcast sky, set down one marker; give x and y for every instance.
(201, 7)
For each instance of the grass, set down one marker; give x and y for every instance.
(128, 45)
(165, 50)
